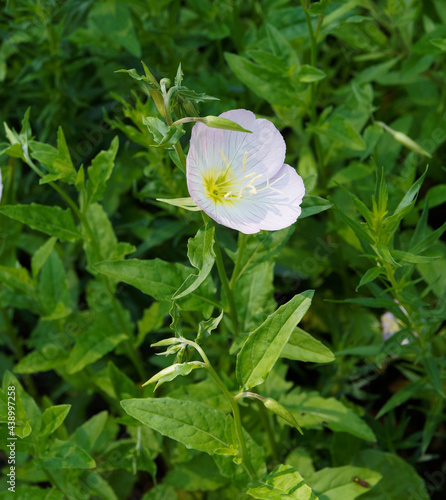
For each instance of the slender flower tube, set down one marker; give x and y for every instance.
(1, 185)
(239, 179)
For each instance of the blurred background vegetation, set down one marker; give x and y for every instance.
(380, 61)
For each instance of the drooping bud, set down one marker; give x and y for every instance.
(405, 140)
(224, 123)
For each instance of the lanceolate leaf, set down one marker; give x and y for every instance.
(50, 220)
(302, 346)
(100, 171)
(195, 425)
(201, 255)
(264, 345)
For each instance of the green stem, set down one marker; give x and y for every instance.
(269, 430)
(226, 287)
(234, 406)
(238, 263)
(181, 156)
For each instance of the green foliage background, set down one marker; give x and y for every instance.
(358, 89)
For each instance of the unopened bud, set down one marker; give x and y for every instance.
(224, 123)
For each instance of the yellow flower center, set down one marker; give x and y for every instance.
(222, 186)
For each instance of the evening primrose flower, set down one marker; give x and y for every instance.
(239, 179)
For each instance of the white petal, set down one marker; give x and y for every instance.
(276, 209)
(265, 147)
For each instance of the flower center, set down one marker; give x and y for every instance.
(222, 186)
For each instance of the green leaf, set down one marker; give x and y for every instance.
(349, 174)
(173, 371)
(56, 161)
(302, 346)
(200, 251)
(403, 395)
(99, 339)
(156, 278)
(164, 135)
(39, 257)
(32, 493)
(264, 345)
(195, 425)
(48, 358)
(123, 386)
(16, 278)
(254, 293)
(112, 20)
(102, 229)
(312, 205)
(52, 418)
(341, 131)
(433, 370)
(99, 172)
(411, 258)
(153, 317)
(162, 492)
(205, 327)
(402, 483)
(436, 196)
(66, 455)
(370, 275)
(433, 421)
(200, 470)
(284, 482)
(280, 46)
(309, 74)
(53, 286)
(311, 410)
(267, 84)
(341, 483)
(410, 196)
(259, 248)
(87, 434)
(49, 220)
(27, 414)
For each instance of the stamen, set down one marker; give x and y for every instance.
(225, 160)
(245, 159)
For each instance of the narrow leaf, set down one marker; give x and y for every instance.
(200, 251)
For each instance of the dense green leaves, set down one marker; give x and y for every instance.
(356, 90)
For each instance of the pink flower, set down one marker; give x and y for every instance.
(240, 179)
